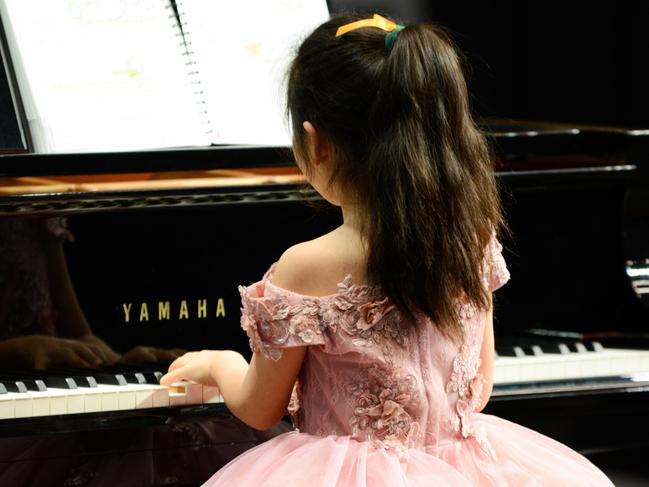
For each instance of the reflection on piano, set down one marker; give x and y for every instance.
(162, 239)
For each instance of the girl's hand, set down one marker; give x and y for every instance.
(193, 366)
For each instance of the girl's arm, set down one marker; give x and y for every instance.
(256, 393)
(487, 359)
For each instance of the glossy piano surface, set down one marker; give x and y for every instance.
(155, 244)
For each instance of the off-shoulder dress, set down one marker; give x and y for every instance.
(378, 404)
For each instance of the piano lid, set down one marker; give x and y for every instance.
(519, 146)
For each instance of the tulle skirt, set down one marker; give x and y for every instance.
(523, 458)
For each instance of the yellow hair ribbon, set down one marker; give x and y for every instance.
(376, 21)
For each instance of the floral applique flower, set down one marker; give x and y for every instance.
(468, 384)
(465, 367)
(372, 312)
(270, 321)
(372, 322)
(496, 269)
(306, 327)
(343, 303)
(384, 407)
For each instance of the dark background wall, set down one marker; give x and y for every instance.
(572, 61)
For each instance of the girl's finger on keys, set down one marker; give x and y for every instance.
(169, 378)
(179, 362)
(176, 375)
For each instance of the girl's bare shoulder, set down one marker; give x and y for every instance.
(315, 267)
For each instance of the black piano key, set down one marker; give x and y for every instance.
(33, 383)
(594, 346)
(107, 378)
(85, 381)
(534, 350)
(507, 351)
(152, 376)
(57, 380)
(555, 347)
(153, 371)
(110, 379)
(131, 376)
(504, 351)
(577, 347)
(61, 378)
(78, 380)
(14, 385)
(60, 382)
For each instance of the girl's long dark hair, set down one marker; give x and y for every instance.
(408, 151)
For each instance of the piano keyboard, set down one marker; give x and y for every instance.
(561, 366)
(517, 369)
(98, 392)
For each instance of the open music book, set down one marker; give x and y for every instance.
(111, 75)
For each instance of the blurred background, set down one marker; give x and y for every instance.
(564, 61)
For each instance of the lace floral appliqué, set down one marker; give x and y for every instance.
(271, 321)
(497, 273)
(362, 315)
(468, 384)
(384, 410)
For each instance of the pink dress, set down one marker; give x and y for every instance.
(381, 405)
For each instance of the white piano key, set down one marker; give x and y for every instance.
(212, 395)
(555, 368)
(185, 393)
(194, 393)
(178, 394)
(609, 362)
(177, 399)
(150, 396)
(127, 398)
(109, 397)
(573, 367)
(7, 406)
(30, 404)
(59, 402)
(92, 399)
(161, 398)
(104, 398)
(41, 404)
(76, 402)
(66, 401)
(23, 404)
(144, 399)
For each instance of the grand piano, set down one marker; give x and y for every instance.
(155, 244)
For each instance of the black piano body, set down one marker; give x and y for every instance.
(157, 264)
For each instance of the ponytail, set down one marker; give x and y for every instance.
(410, 154)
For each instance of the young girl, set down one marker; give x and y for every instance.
(378, 336)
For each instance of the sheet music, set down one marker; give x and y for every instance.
(243, 49)
(102, 74)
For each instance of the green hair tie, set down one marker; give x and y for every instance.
(392, 36)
